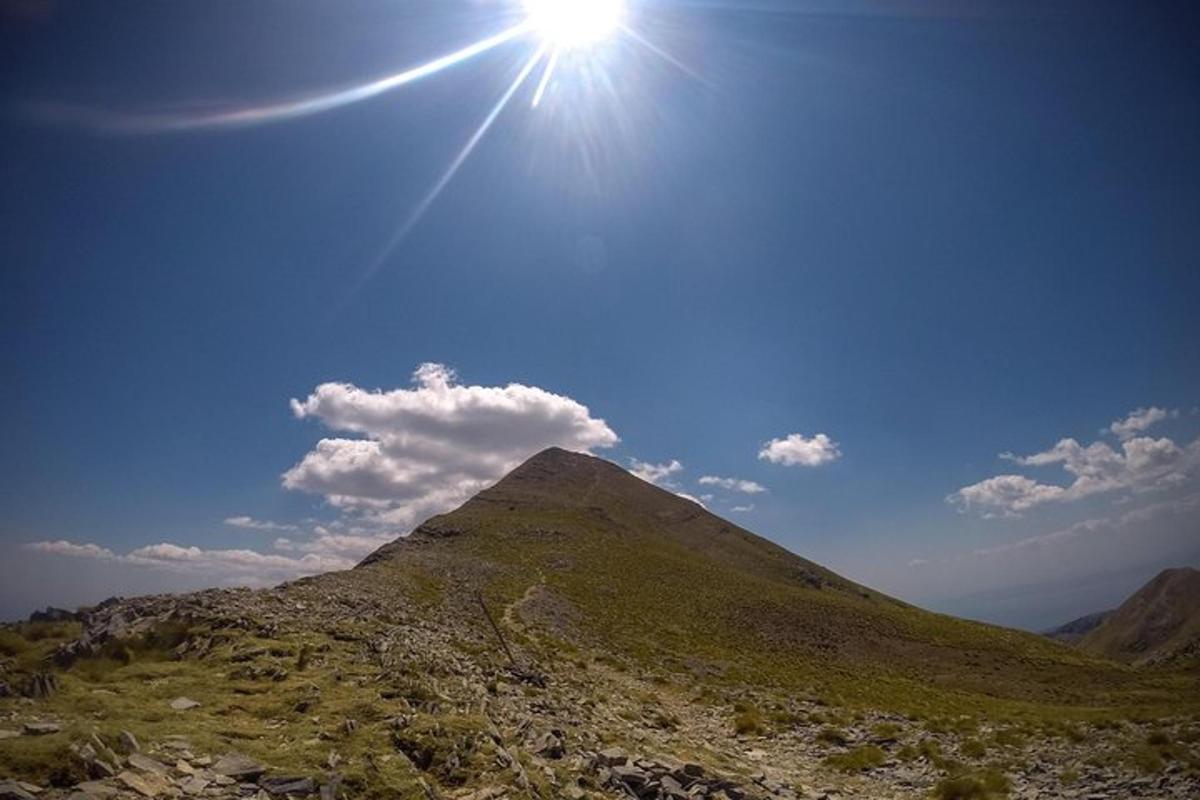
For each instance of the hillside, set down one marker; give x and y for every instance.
(574, 632)
(1159, 623)
(1071, 632)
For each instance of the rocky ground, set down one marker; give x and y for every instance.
(327, 688)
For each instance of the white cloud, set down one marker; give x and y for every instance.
(795, 450)
(694, 499)
(654, 473)
(247, 567)
(64, 548)
(249, 523)
(743, 509)
(1139, 420)
(426, 449)
(1004, 495)
(1141, 464)
(732, 484)
(418, 452)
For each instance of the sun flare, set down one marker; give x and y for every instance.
(574, 23)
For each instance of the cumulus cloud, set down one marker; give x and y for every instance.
(423, 450)
(732, 484)
(1140, 464)
(246, 567)
(654, 473)
(64, 548)
(1004, 495)
(797, 450)
(1139, 420)
(251, 524)
(406, 454)
(743, 509)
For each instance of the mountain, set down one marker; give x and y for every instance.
(1076, 629)
(1159, 623)
(615, 562)
(572, 632)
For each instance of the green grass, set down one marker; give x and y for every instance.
(749, 722)
(834, 736)
(973, 748)
(857, 760)
(983, 785)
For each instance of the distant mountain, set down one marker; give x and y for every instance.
(1159, 623)
(1076, 629)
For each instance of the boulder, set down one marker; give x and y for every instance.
(184, 704)
(128, 742)
(611, 757)
(41, 728)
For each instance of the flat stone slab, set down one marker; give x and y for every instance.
(147, 764)
(194, 786)
(41, 728)
(236, 765)
(184, 704)
(288, 785)
(96, 789)
(145, 785)
(11, 791)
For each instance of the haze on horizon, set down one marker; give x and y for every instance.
(909, 290)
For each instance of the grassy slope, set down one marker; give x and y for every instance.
(1161, 618)
(656, 578)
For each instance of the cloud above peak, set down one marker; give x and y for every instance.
(798, 450)
(423, 450)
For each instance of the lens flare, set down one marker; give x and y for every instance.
(574, 23)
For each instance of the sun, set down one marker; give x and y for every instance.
(574, 23)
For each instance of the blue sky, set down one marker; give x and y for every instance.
(934, 236)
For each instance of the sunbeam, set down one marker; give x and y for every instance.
(663, 54)
(169, 122)
(419, 211)
(546, 75)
